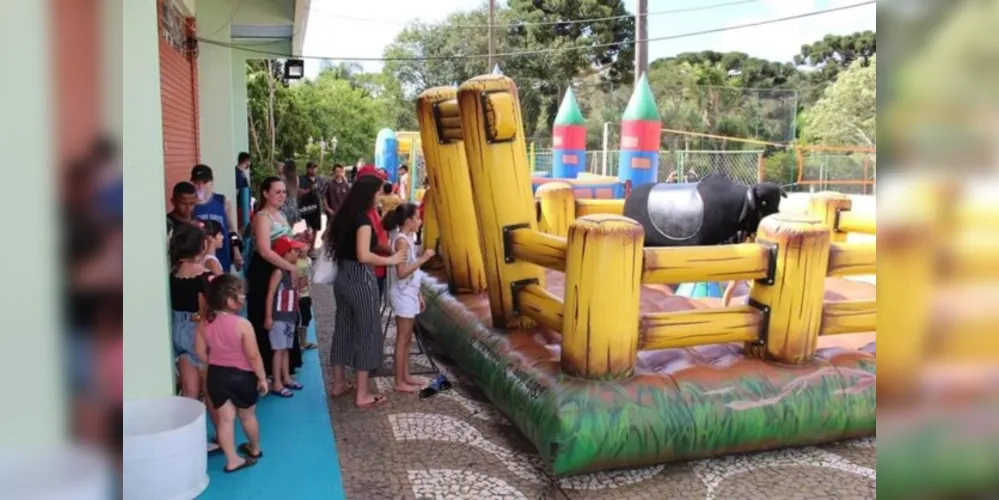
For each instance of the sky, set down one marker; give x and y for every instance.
(333, 33)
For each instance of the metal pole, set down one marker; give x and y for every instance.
(641, 35)
(603, 166)
(492, 36)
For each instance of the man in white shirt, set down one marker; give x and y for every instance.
(404, 182)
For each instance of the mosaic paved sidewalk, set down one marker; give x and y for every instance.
(457, 445)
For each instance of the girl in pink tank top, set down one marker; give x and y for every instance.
(236, 377)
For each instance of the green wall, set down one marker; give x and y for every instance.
(148, 362)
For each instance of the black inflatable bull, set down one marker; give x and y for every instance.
(712, 211)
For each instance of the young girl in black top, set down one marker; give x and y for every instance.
(188, 284)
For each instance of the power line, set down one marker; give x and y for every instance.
(538, 23)
(281, 55)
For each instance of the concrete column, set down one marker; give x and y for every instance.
(241, 130)
(29, 310)
(218, 147)
(148, 359)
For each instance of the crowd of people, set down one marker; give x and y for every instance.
(238, 338)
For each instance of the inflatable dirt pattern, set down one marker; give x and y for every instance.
(681, 404)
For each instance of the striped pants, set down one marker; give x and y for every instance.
(357, 334)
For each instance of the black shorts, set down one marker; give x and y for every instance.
(304, 311)
(232, 384)
(314, 221)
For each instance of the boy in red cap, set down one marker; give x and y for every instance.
(281, 316)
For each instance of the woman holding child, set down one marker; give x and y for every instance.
(268, 225)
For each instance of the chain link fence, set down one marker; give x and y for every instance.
(679, 166)
(847, 173)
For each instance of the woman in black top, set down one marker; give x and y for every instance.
(357, 335)
(188, 287)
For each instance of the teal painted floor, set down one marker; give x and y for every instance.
(300, 458)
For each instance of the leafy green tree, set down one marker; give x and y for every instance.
(289, 120)
(542, 77)
(827, 57)
(847, 112)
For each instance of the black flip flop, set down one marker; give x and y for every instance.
(247, 462)
(245, 450)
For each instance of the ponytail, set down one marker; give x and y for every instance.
(394, 219)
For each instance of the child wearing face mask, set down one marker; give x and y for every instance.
(212, 206)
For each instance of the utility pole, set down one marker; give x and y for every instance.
(492, 36)
(641, 35)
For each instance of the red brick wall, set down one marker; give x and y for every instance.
(179, 99)
(76, 79)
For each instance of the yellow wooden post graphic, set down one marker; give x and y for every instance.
(795, 297)
(493, 131)
(825, 206)
(558, 208)
(431, 232)
(454, 209)
(603, 279)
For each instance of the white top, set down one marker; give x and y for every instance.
(410, 284)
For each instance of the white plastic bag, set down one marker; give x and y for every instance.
(324, 270)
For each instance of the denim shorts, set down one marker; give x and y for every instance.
(183, 327)
(282, 335)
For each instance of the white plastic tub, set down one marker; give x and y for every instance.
(164, 455)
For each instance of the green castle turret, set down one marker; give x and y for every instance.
(642, 105)
(569, 112)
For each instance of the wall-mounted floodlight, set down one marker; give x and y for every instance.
(294, 69)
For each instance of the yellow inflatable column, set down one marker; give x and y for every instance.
(603, 281)
(558, 208)
(431, 232)
(493, 131)
(440, 131)
(826, 206)
(794, 299)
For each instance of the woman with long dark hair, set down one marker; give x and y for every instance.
(268, 224)
(357, 335)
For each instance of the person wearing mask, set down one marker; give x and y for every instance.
(310, 188)
(357, 339)
(268, 225)
(215, 206)
(242, 182)
(336, 192)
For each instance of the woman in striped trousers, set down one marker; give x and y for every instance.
(357, 335)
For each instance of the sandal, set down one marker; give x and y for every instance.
(245, 450)
(347, 388)
(378, 399)
(284, 392)
(295, 386)
(247, 462)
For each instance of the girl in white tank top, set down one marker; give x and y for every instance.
(404, 289)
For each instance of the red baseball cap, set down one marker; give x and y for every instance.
(370, 169)
(284, 244)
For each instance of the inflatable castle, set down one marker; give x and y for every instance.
(562, 318)
(638, 162)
